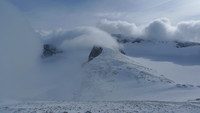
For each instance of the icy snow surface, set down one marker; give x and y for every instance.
(102, 107)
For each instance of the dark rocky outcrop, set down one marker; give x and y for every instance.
(137, 40)
(186, 44)
(49, 50)
(96, 51)
(120, 38)
(122, 51)
(124, 39)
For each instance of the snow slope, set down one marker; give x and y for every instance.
(179, 64)
(114, 76)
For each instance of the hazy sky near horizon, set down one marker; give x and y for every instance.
(54, 14)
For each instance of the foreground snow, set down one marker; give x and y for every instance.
(103, 107)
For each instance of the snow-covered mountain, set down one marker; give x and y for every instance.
(116, 74)
(89, 63)
(108, 79)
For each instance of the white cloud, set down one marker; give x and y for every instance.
(188, 30)
(161, 29)
(119, 27)
(82, 37)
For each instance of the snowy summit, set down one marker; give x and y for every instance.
(89, 56)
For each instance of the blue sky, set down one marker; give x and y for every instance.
(53, 14)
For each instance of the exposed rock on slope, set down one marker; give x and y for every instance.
(49, 50)
(186, 44)
(96, 51)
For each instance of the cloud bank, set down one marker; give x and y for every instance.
(160, 29)
(80, 37)
(119, 27)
